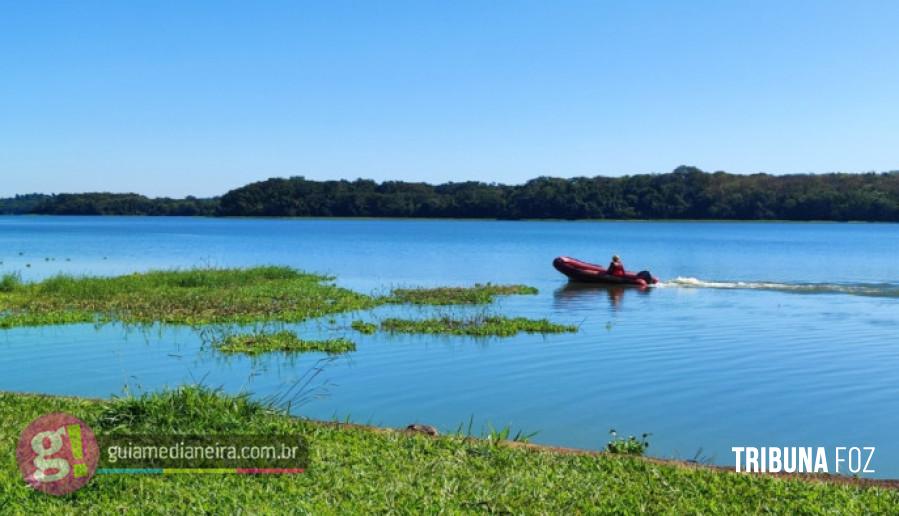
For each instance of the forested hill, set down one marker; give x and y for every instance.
(116, 204)
(21, 204)
(686, 193)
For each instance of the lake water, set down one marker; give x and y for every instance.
(761, 334)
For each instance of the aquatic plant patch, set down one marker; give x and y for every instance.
(477, 326)
(286, 341)
(208, 296)
(364, 327)
(478, 294)
(192, 297)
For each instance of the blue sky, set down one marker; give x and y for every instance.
(177, 98)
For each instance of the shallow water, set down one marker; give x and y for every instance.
(762, 334)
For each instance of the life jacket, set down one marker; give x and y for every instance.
(616, 269)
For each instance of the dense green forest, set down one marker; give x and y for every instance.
(113, 204)
(21, 204)
(685, 193)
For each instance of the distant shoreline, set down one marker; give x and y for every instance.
(449, 219)
(687, 193)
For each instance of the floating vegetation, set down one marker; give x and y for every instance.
(478, 294)
(478, 326)
(287, 341)
(192, 297)
(206, 296)
(364, 327)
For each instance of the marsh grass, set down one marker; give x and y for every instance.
(476, 326)
(10, 282)
(184, 409)
(627, 446)
(190, 297)
(364, 327)
(357, 470)
(478, 294)
(285, 341)
(497, 436)
(205, 296)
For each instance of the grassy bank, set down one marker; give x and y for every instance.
(358, 470)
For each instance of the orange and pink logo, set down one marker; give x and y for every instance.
(57, 453)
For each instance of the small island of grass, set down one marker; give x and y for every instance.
(286, 341)
(191, 297)
(208, 296)
(480, 326)
(478, 294)
(364, 327)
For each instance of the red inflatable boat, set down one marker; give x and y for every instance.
(584, 272)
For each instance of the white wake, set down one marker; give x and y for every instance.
(858, 289)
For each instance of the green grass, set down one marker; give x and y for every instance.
(192, 297)
(360, 471)
(477, 326)
(286, 341)
(478, 294)
(207, 296)
(9, 282)
(364, 327)
(630, 445)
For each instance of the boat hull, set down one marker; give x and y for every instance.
(584, 272)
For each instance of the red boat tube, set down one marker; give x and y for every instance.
(584, 272)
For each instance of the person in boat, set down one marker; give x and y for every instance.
(616, 268)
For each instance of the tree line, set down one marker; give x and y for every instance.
(101, 203)
(685, 193)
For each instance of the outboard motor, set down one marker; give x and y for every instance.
(646, 276)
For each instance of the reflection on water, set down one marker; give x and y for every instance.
(576, 295)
